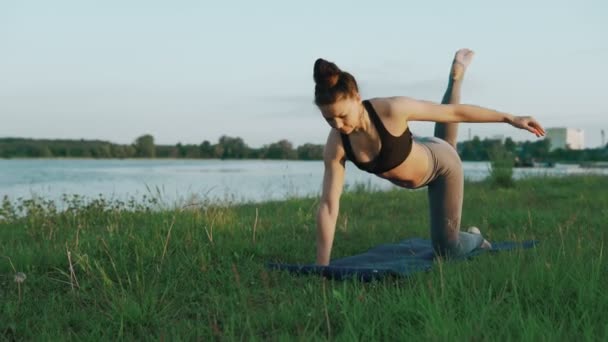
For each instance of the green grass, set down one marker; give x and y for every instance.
(199, 274)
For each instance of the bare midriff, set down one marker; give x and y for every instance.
(411, 173)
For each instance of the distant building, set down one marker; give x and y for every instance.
(566, 138)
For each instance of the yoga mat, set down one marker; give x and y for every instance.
(400, 259)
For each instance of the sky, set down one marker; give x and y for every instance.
(189, 71)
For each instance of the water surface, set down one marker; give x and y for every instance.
(178, 181)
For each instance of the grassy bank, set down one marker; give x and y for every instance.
(99, 271)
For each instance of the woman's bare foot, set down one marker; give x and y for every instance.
(462, 59)
(485, 244)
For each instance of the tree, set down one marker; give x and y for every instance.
(192, 151)
(229, 147)
(283, 149)
(535, 150)
(218, 151)
(471, 149)
(144, 145)
(510, 145)
(310, 152)
(206, 149)
(102, 151)
(181, 150)
(488, 145)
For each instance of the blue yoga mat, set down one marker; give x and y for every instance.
(397, 259)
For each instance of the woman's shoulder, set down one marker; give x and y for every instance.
(391, 108)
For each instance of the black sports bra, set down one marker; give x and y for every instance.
(393, 152)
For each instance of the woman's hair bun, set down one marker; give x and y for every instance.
(325, 73)
(332, 84)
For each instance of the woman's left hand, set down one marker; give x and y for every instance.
(528, 123)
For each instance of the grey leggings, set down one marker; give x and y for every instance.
(445, 181)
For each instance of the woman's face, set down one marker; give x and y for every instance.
(343, 115)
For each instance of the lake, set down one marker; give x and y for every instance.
(184, 181)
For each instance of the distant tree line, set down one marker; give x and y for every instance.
(527, 151)
(144, 147)
(235, 148)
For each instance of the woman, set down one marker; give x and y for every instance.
(375, 136)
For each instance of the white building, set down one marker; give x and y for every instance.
(566, 138)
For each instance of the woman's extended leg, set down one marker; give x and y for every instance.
(446, 191)
(462, 59)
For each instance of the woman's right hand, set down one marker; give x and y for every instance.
(528, 123)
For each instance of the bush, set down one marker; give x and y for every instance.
(501, 167)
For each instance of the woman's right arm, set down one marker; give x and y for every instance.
(329, 206)
(418, 110)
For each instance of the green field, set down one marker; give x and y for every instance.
(198, 273)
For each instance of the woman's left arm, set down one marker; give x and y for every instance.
(417, 110)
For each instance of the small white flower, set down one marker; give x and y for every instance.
(20, 277)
